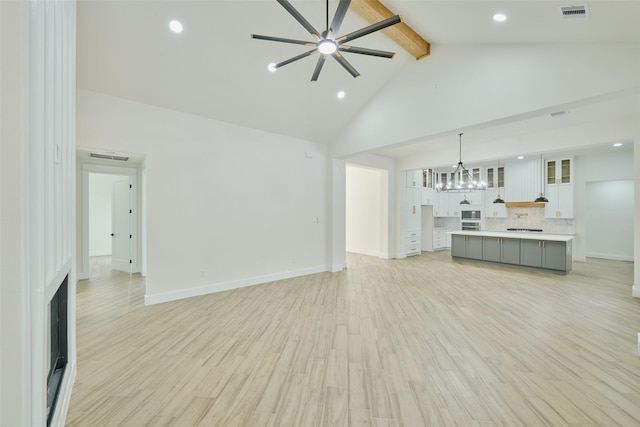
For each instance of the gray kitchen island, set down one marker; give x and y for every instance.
(545, 251)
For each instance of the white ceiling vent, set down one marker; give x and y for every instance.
(108, 157)
(576, 11)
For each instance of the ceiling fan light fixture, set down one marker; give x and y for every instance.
(327, 42)
(272, 67)
(327, 47)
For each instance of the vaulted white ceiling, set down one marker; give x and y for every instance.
(214, 69)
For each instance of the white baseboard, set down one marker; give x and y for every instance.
(580, 258)
(99, 253)
(382, 255)
(226, 286)
(363, 252)
(635, 291)
(337, 267)
(611, 257)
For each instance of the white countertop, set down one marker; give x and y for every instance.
(531, 235)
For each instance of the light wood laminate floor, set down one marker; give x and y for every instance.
(420, 341)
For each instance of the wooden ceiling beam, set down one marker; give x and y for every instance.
(373, 11)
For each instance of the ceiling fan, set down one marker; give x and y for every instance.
(328, 43)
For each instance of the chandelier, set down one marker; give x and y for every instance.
(462, 181)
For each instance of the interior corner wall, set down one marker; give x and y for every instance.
(226, 206)
(636, 208)
(337, 213)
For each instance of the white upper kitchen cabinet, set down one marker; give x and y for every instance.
(429, 196)
(559, 188)
(414, 178)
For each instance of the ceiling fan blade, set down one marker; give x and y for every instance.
(341, 11)
(292, 10)
(345, 64)
(370, 29)
(283, 40)
(365, 51)
(318, 68)
(295, 58)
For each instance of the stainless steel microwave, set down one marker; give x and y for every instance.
(466, 215)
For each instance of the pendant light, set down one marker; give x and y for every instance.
(541, 197)
(457, 184)
(498, 199)
(465, 201)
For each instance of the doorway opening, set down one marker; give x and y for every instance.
(609, 219)
(110, 223)
(110, 220)
(367, 211)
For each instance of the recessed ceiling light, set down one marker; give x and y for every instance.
(618, 144)
(341, 94)
(175, 26)
(520, 157)
(272, 67)
(499, 17)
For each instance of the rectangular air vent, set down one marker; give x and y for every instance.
(108, 157)
(580, 11)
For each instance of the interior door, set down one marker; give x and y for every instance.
(121, 231)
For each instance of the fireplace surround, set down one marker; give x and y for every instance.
(58, 345)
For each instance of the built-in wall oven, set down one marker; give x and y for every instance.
(470, 225)
(470, 219)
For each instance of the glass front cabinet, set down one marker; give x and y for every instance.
(559, 187)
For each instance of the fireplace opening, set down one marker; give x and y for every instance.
(58, 345)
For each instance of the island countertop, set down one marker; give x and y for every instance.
(530, 235)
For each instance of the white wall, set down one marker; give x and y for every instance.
(100, 212)
(37, 200)
(462, 86)
(226, 206)
(364, 197)
(609, 221)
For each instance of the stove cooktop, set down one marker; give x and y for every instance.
(539, 230)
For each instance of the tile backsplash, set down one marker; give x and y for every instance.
(530, 218)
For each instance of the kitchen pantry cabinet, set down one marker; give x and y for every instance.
(559, 188)
(499, 249)
(466, 246)
(413, 221)
(544, 254)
